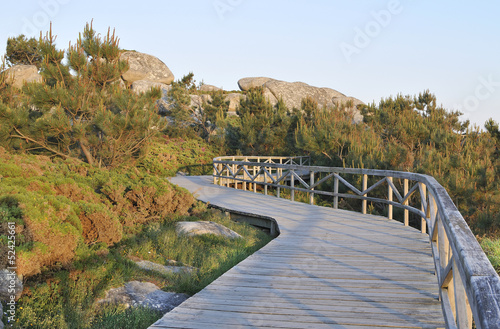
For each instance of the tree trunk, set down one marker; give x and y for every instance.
(86, 152)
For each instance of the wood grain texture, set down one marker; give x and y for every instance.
(328, 268)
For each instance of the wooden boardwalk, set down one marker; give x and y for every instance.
(327, 269)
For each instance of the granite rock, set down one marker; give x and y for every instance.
(145, 67)
(205, 227)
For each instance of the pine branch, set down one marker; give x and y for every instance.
(42, 145)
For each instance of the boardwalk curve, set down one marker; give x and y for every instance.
(329, 268)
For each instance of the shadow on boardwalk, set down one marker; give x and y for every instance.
(327, 269)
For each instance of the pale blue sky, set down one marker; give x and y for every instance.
(366, 49)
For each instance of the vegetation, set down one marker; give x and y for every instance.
(23, 51)
(85, 115)
(168, 156)
(65, 296)
(63, 207)
(83, 161)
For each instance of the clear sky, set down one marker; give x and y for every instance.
(368, 49)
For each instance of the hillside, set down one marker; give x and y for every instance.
(86, 145)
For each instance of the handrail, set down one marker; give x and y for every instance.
(469, 286)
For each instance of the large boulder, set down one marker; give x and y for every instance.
(292, 94)
(145, 67)
(10, 285)
(234, 100)
(196, 102)
(142, 86)
(145, 294)
(205, 227)
(208, 88)
(17, 75)
(246, 84)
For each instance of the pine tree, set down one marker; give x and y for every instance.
(263, 127)
(86, 114)
(21, 50)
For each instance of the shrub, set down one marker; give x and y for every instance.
(167, 156)
(61, 205)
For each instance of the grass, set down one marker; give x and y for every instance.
(492, 250)
(66, 297)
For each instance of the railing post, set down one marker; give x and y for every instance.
(311, 183)
(389, 197)
(233, 166)
(264, 178)
(215, 174)
(279, 173)
(292, 185)
(365, 186)
(423, 225)
(462, 307)
(280, 170)
(256, 179)
(335, 193)
(407, 213)
(245, 176)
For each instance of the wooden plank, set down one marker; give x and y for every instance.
(301, 285)
(195, 324)
(327, 269)
(332, 304)
(343, 306)
(270, 308)
(257, 319)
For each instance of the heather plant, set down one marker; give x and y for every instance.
(61, 206)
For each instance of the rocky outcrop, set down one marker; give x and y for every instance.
(246, 84)
(292, 94)
(196, 101)
(17, 75)
(172, 268)
(145, 67)
(209, 88)
(145, 294)
(234, 100)
(142, 86)
(9, 280)
(205, 227)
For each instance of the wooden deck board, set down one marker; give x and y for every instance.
(327, 269)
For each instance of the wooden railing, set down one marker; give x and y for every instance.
(469, 286)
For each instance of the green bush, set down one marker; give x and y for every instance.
(168, 156)
(60, 206)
